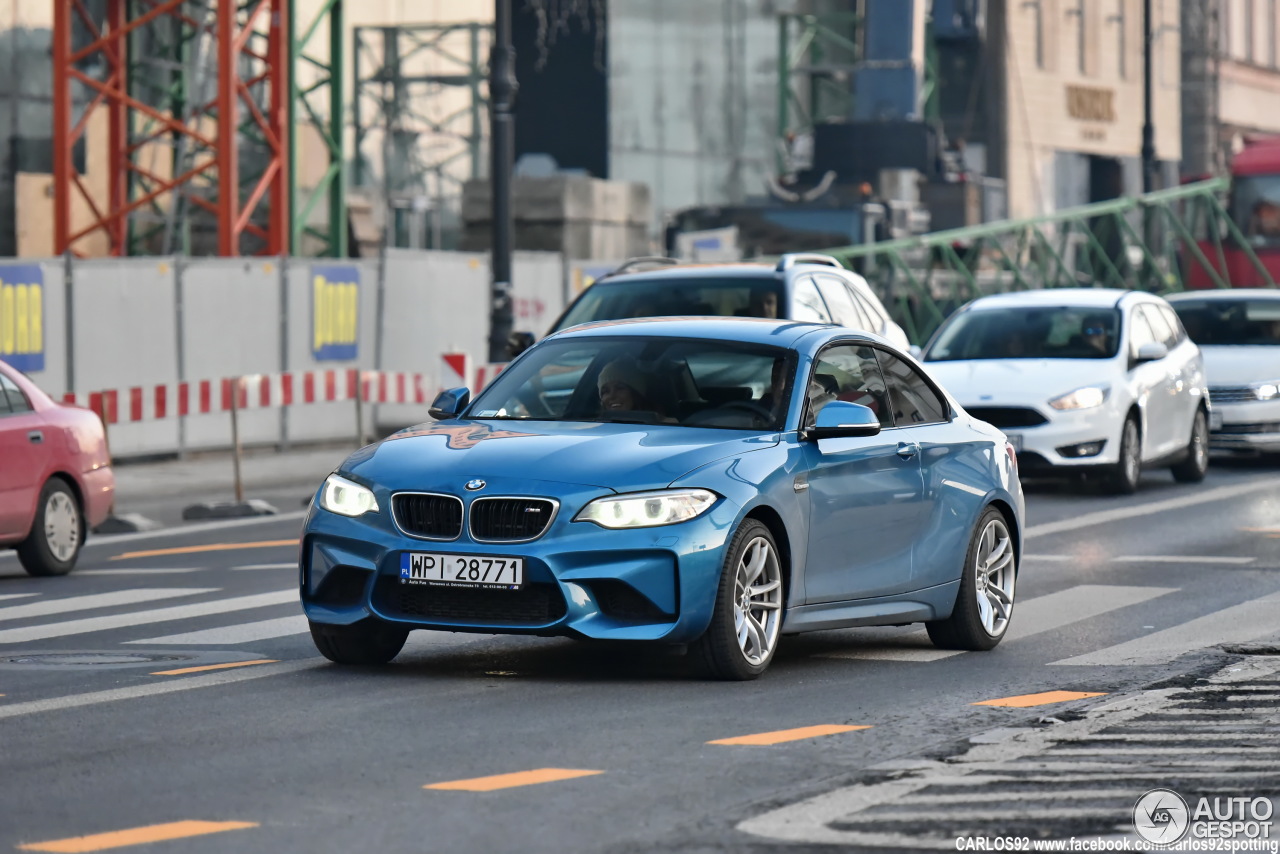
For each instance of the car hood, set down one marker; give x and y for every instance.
(995, 382)
(1239, 366)
(622, 457)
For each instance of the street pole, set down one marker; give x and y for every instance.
(502, 95)
(1148, 128)
(1148, 275)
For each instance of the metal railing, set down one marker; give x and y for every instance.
(1159, 242)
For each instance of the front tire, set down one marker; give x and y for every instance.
(56, 534)
(743, 635)
(1196, 465)
(984, 603)
(367, 642)
(1128, 470)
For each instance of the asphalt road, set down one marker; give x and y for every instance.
(167, 690)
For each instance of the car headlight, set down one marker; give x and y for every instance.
(647, 509)
(1268, 390)
(1081, 398)
(346, 498)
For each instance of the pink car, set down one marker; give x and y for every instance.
(55, 475)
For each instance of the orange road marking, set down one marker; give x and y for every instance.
(136, 836)
(216, 547)
(213, 667)
(782, 735)
(508, 781)
(1027, 700)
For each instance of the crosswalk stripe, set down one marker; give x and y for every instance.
(1030, 618)
(46, 607)
(138, 618)
(1237, 624)
(17, 595)
(242, 633)
(1195, 559)
(139, 571)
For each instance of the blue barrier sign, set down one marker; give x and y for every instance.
(335, 303)
(22, 316)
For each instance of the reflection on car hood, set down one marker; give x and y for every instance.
(996, 382)
(613, 456)
(1239, 366)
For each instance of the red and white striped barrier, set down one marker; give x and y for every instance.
(253, 391)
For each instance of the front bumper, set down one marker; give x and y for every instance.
(581, 580)
(1067, 440)
(1252, 426)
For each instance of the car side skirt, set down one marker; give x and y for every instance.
(930, 603)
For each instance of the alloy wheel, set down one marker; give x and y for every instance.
(757, 601)
(994, 577)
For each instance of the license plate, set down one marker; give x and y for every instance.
(1215, 420)
(1015, 439)
(490, 572)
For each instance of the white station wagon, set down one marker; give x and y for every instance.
(1080, 379)
(1238, 331)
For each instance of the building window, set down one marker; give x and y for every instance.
(1037, 17)
(1121, 23)
(1250, 28)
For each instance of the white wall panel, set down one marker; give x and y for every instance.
(124, 335)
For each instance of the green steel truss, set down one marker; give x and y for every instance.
(316, 75)
(1157, 242)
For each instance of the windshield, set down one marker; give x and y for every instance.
(1255, 206)
(1231, 323)
(695, 383)
(669, 296)
(1048, 332)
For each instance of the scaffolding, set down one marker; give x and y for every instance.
(412, 145)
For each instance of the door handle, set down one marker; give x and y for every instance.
(36, 437)
(907, 450)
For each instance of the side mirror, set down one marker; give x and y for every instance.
(518, 342)
(1151, 351)
(449, 403)
(840, 419)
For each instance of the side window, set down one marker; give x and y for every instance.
(809, 305)
(914, 401)
(1163, 332)
(16, 400)
(1171, 317)
(841, 304)
(870, 305)
(1139, 332)
(847, 372)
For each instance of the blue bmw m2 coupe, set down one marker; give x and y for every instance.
(712, 482)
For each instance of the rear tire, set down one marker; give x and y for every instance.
(56, 534)
(984, 602)
(367, 642)
(1124, 478)
(1196, 465)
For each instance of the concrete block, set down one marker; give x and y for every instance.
(228, 510)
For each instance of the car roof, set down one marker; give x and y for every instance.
(749, 269)
(1076, 297)
(1226, 294)
(750, 330)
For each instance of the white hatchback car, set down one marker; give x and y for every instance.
(1080, 379)
(1239, 333)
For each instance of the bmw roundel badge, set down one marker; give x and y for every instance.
(473, 485)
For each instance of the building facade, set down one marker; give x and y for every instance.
(1070, 74)
(1231, 65)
